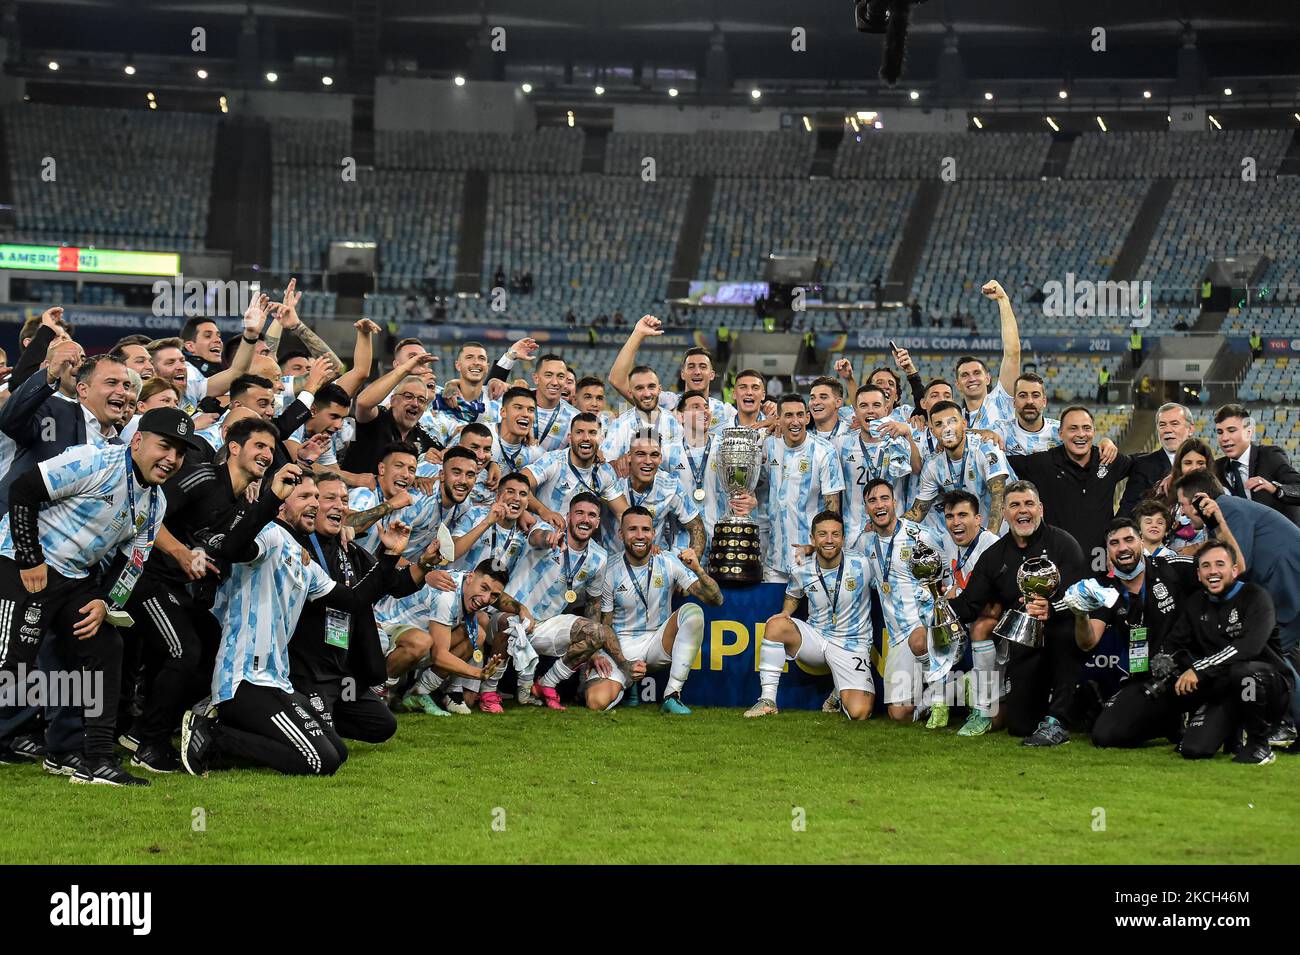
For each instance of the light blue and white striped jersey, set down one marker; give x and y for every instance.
(1020, 441)
(423, 515)
(980, 463)
(904, 602)
(996, 408)
(440, 426)
(258, 606)
(557, 480)
(721, 414)
(798, 479)
(512, 457)
(962, 560)
(551, 425)
(618, 439)
(425, 605)
(196, 389)
(670, 507)
(702, 472)
(540, 580)
(861, 462)
(212, 433)
(8, 448)
(90, 515)
(847, 587)
(480, 493)
(327, 458)
(504, 545)
(657, 579)
(285, 395)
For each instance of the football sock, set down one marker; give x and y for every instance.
(690, 636)
(556, 674)
(771, 661)
(984, 654)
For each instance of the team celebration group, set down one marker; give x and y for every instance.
(253, 546)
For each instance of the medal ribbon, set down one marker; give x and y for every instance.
(649, 574)
(569, 578)
(839, 579)
(700, 473)
(885, 564)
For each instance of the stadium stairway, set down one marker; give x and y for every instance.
(1290, 165)
(1058, 155)
(690, 240)
(1140, 435)
(6, 187)
(916, 230)
(239, 197)
(593, 150)
(473, 229)
(1134, 250)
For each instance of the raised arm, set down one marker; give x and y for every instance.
(647, 327)
(1010, 369)
(362, 357)
(254, 319)
(705, 587)
(373, 395)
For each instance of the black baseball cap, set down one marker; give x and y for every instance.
(171, 423)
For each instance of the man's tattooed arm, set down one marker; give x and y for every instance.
(362, 521)
(508, 605)
(707, 590)
(831, 502)
(997, 495)
(696, 531)
(918, 510)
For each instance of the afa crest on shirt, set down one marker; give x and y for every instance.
(659, 580)
(851, 584)
(803, 466)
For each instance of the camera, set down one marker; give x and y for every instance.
(1163, 673)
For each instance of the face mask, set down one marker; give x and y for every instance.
(949, 435)
(1137, 569)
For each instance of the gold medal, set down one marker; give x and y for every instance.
(570, 596)
(699, 494)
(478, 656)
(885, 587)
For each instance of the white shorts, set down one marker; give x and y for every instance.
(902, 674)
(551, 637)
(642, 646)
(851, 670)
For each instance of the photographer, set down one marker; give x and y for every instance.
(1225, 647)
(1152, 593)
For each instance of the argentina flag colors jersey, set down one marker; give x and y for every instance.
(701, 472)
(415, 611)
(512, 457)
(862, 462)
(981, 462)
(90, 514)
(258, 606)
(658, 578)
(797, 481)
(506, 546)
(558, 480)
(618, 441)
(996, 408)
(904, 602)
(664, 498)
(1020, 441)
(423, 516)
(846, 589)
(551, 425)
(540, 580)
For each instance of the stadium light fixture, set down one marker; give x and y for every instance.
(914, 95)
(327, 81)
(1102, 123)
(755, 94)
(153, 104)
(149, 96)
(878, 124)
(460, 80)
(569, 115)
(54, 65)
(527, 88)
(807, 124)
(1064, 94)
(1297, 117)
(672, 91)
(976, 121)
(129, 70)
(1146, 94)
(988, 96)
(867, 115)
(600, 91)
(201, 74)
(1227, 91)
(225, 107)
(272, 77)
(853, 121)
(1214, 122)
(1051, 122)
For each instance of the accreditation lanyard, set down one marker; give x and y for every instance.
(961, 471)
(834, 599)
(887, 558)
(126, 581)
(698, 474)
(541, 435)
(594, 486)
(640, 591)
(345, 565)
(1138, 648)
(839, 423)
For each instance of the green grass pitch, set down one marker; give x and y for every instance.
(634, 786)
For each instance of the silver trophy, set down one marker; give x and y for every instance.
(738, 453)
(734, 554)
(1037, 577)
(944, 633)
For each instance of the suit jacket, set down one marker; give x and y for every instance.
(1269, 462)
(1148, 470)
(41, 425)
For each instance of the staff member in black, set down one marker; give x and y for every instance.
(1078, 491)
(1153, 592)
(209, 520)
(1041, 679)
(333, 651)
(1226, 648)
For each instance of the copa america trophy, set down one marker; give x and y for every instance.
(1037, 577)
(734, 556)
(944, 633)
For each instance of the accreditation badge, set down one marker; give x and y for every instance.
(1138, 660)
(338, 626)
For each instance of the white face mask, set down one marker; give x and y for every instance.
(1137, 569)
(949, 435)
